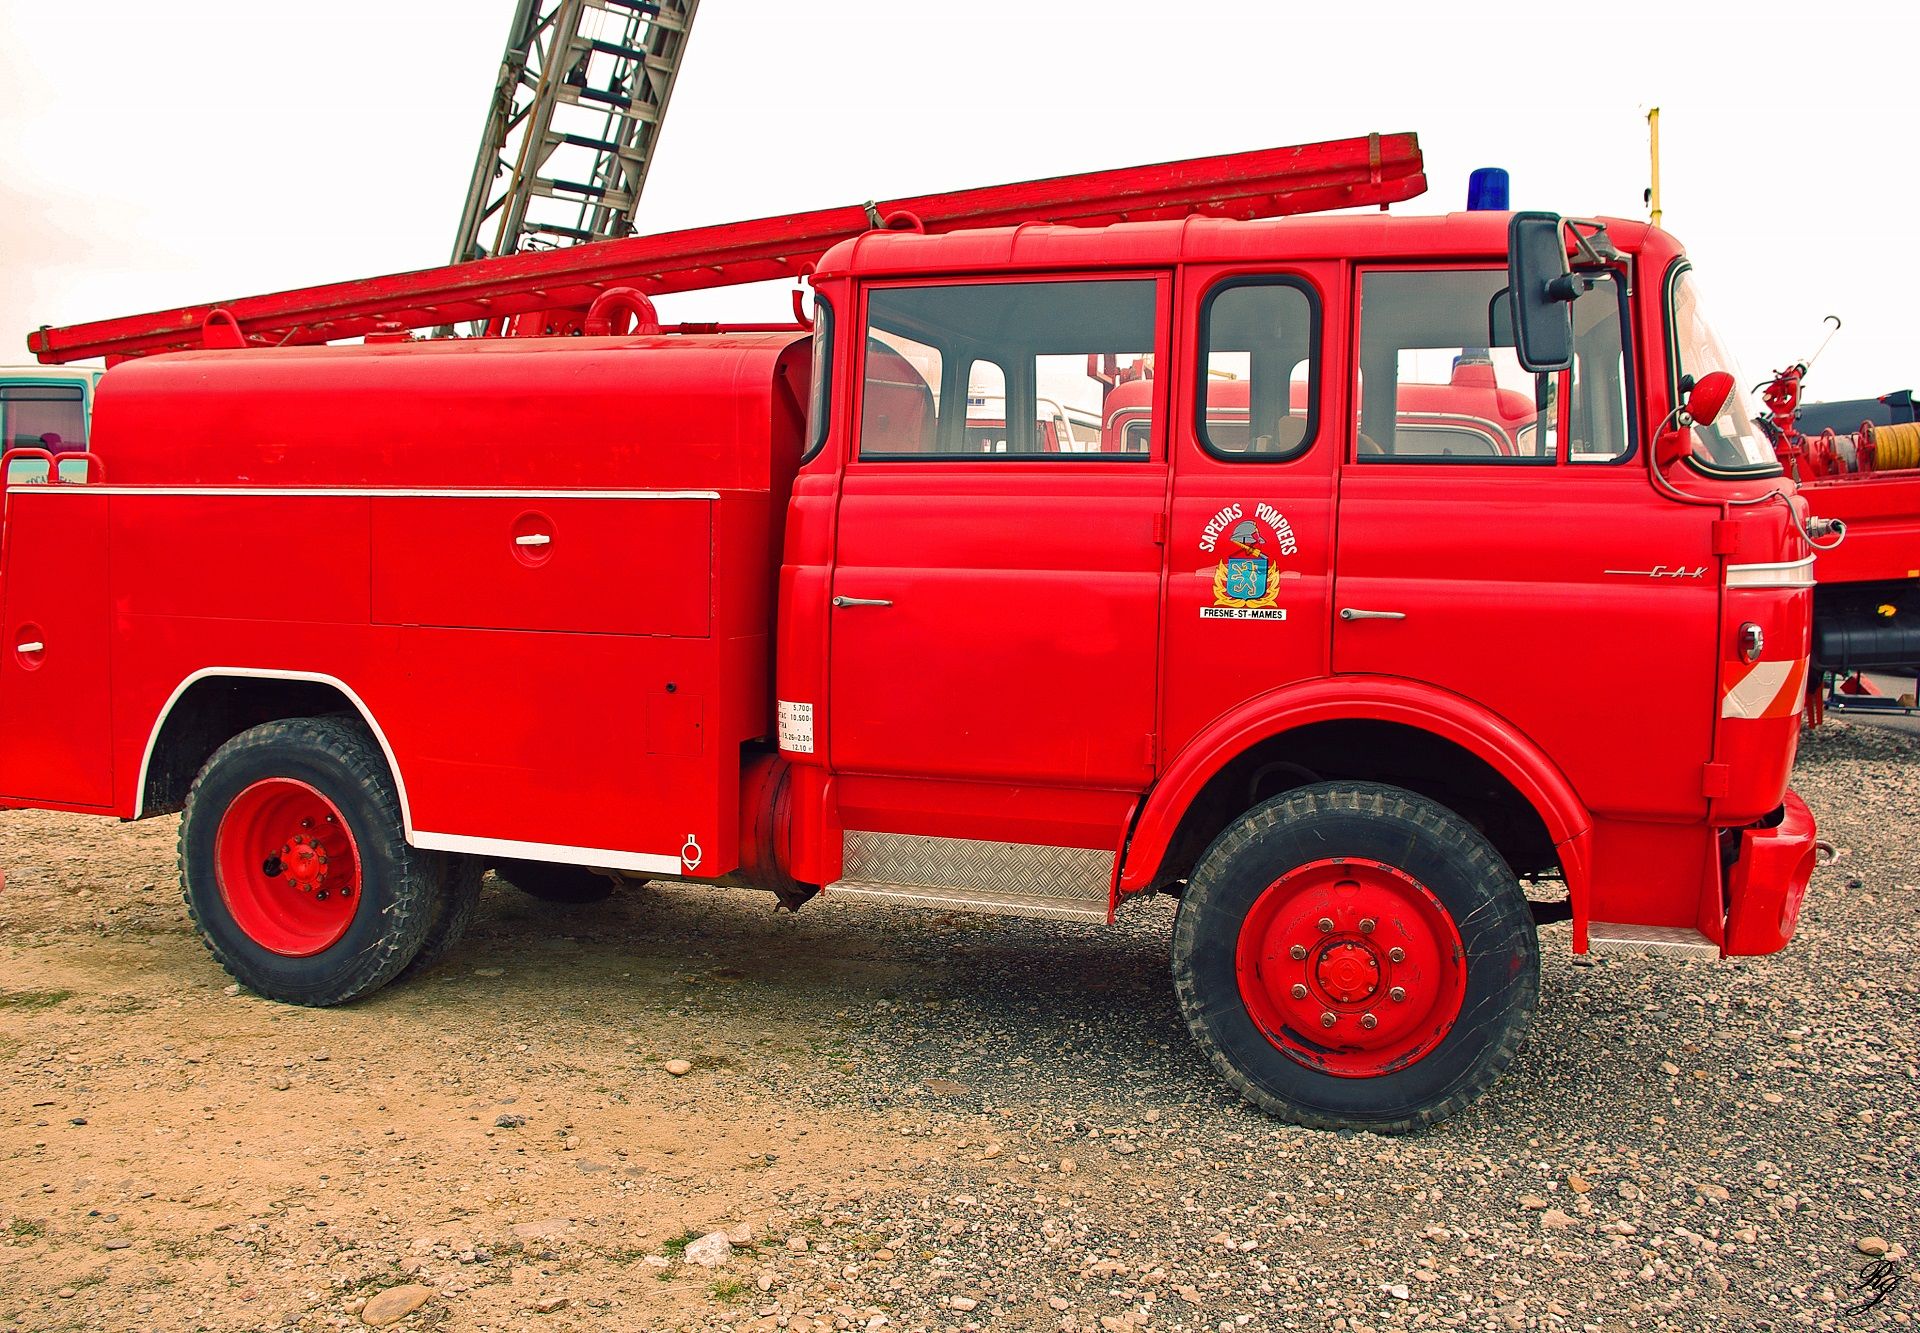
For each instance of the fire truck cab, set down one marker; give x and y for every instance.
(1370, 603)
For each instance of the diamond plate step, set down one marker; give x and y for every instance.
(1606, 937)
(964, 875)
(976, 900)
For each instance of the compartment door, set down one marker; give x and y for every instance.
(55, 717)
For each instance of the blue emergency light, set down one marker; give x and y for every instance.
(1487, 190)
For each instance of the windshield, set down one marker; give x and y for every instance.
(1730, 441)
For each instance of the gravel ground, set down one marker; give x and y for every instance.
(910, 1121)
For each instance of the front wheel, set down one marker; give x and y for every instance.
(1354, 956)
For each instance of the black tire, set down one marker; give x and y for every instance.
(459, 898)
(1399, 830)
(400, 887)
(556, 883)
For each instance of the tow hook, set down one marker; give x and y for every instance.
(1824, 852)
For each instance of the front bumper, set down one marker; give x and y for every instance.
(1768, 881)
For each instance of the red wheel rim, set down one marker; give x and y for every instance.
(288, 868)
(1351, 967)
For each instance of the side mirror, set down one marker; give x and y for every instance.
(1706, 397)
(1542, 289)
(1709, 395)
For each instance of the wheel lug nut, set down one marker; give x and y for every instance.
(1326, 925)
(1297, 952)
(1299, 991)
(1396, 954)
(1328, 1019)
(1369, 1022)
(1397, 994)
(1366, 926)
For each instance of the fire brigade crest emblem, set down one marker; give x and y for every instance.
(1246, 578)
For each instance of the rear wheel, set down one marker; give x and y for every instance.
(1355, 956)
(556, 883)
(296, 869)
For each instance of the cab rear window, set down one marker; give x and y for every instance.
(1010, 370)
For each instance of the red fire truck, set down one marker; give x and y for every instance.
(1857, 462)
(750, 608)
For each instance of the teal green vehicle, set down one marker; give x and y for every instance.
(44, 407)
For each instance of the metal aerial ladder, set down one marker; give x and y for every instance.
(1374, 170)
(573, 123)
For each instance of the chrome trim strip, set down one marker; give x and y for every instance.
(598, 858)
(1779, 574)
(360, 492)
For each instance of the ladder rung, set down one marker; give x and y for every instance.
(607, 99)
(615, 49)
(574, 187)
(583, 141)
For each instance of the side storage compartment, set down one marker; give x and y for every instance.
(55, 714)
(559, 670)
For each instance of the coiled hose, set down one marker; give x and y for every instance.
(1896, 447)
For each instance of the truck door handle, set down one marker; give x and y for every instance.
(1355, 613)
(861, 601)
(35, 647)
(533, 539)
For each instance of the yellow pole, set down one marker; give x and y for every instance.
(1653, 144)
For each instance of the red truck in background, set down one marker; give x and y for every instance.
(1857, 463)
(755, 608)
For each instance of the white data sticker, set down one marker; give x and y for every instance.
(796, 727)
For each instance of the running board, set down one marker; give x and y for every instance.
(965, 875)
(1667, 941)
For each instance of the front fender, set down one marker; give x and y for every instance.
(1372, 699)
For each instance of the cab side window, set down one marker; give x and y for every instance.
(1439, 381)
(1010, 370)
(1260, 340)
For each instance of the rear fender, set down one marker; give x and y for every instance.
(1364, 698)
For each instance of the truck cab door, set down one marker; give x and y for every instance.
(996, 584)
(1499, 539)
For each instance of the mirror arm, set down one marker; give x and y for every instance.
(1568, 287)
(1596, 247)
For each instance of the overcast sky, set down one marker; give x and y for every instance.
(158, 154)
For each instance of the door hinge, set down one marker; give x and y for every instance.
(1147, 749)
(1160, 529)
(1713, 780)
(1726, 536)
